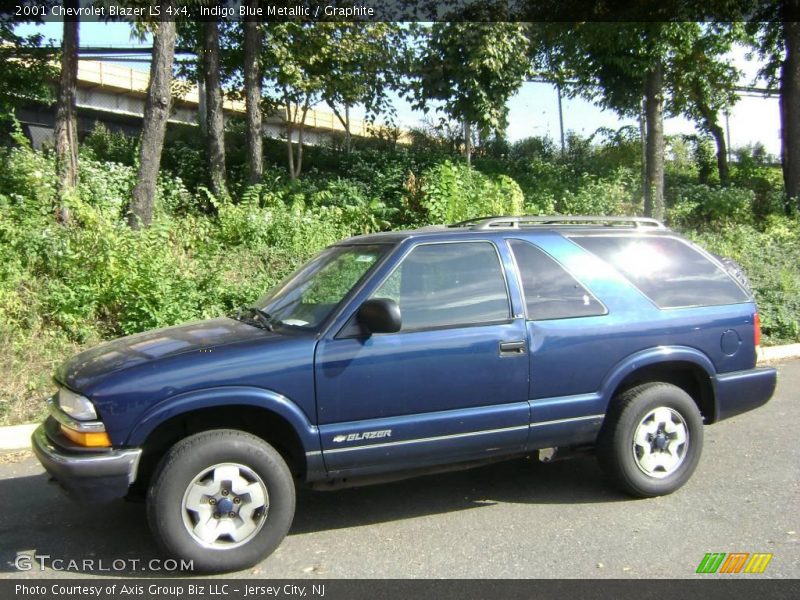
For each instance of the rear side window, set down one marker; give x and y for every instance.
(671, 273)
(444, 285)
(551, 292)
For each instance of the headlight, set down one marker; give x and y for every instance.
(76, 406)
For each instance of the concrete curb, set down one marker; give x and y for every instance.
(18, 437)
(772, 353)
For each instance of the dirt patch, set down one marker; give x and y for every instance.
(9, 458)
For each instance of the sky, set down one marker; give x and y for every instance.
(533, 110)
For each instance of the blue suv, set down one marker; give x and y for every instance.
(403, 353)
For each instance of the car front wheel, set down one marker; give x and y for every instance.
(651, 440)
(222, 499)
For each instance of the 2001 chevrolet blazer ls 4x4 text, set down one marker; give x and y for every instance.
(403, 353)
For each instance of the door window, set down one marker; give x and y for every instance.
(443, 285)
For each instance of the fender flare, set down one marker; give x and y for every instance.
(227, 396)
(649, 357)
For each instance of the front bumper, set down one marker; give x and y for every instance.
(741, 391)
(92, 476)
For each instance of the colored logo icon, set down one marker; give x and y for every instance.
(734, 562)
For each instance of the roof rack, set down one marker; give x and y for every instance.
(483, 223)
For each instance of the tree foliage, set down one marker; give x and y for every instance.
(26, 72)
(292, 55)
(360, 64)
(703, 81)
(674, 67)
(470, 70)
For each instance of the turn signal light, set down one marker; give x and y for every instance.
(93, 439)
(756, 330)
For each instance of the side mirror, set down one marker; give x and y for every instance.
(380, 315)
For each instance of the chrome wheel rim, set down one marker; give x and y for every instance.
(225, 506)
(660, 442)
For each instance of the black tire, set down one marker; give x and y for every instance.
(197, 454)
(624, 460)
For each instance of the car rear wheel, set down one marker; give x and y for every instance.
(223, 499)
(651, 440)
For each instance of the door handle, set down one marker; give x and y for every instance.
(512, 348)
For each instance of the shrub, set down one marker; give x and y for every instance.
(106, 186)
(185, 160)
(766, 183)
(701, 206)
(104, 145)
(601, 196)
(452, 193)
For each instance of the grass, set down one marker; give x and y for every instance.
(26, 369)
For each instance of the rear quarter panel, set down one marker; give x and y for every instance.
(575, 356)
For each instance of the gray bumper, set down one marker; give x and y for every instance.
(91, 476)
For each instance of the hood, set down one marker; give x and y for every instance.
(101, 361)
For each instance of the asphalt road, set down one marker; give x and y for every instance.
(516, 519)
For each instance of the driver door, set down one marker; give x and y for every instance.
(450, 385)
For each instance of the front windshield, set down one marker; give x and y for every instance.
(309, 296)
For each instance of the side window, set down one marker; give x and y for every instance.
(440, 285)
(671, 273)
(551, 292)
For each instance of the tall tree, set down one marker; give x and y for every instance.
(356, 67)
(154, 125)
(66, 122)
(215, 119)
(252, 88)
(776, 38)
(703, 82)
(654, 145)
(291, 57)
(790, 114)
(620, 66)
(470, 70)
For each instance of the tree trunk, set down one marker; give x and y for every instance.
(301, 130)
(154, 124)
(66, 125)
(298, 161)
(295, 162)
(215, 121)
(289, 138)
(711, 124)
(345, 121)
(790, 115)
(654, 113)
(561, 120)
(468, 142)
(643, 144)
(722, 152)
(252, 87)
(348, 137)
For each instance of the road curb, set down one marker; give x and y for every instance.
(18, 437)
(771, 353)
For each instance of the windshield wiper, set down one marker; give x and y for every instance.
(259, 316)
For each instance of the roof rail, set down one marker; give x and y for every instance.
(483, 223)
